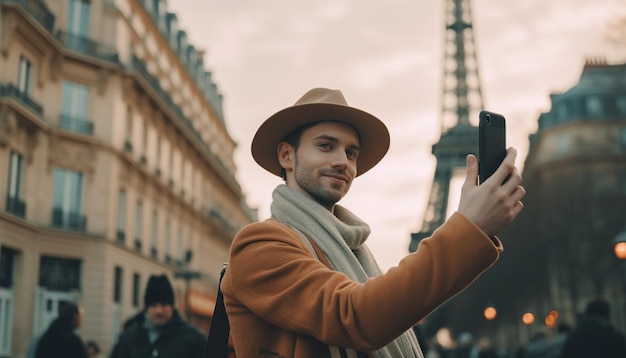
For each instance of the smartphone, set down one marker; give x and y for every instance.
(491, 143)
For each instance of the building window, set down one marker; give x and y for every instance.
(78, 18)
(136, 286)
(68, 200)
(562, 112)
(7, 262)
(138, 222)
(622, 136)
(15, 202)
(594, 106)
(158, 155)
(59, 274)
(25, 77)
(75, 108)
(144, 142)
(154, 234)
(128, 130)
(117, 298)
(168, 239)
(620, 103)
(121, 216)
(117, 285)
(179, 246)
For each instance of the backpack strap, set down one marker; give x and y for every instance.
(217, 342)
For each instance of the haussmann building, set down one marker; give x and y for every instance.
(115, 164)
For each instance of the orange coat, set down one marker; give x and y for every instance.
(283, 302)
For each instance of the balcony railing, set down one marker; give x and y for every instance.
(68, 220)
(38, 10)
(9, 90)
(16, 206)
(128, 146)
(87, 47)
(76, 125)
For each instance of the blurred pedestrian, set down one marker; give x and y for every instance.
(540, 345)
(485, 350)
(465, 346)
(60, 339)
(562, 332)
(159, 330)
(594, 335)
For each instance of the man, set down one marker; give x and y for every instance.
(303, 284)
(60, 339)
(594, 335)
(159, 331)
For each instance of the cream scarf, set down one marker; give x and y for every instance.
(342, 239)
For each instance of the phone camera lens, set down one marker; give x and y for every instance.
(488, 118)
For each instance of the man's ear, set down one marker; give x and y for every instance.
(286, 156)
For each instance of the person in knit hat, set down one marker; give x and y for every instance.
(594, 334)
(159, 330)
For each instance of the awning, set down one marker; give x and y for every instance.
(201, 303)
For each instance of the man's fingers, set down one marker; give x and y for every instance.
(506, 167)
(471, 173)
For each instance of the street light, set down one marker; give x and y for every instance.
(551, 318)
(187, 275)
(490, 313)
(620, 245)
(528, 318)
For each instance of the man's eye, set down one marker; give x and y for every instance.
(352, 153)
(325, 145)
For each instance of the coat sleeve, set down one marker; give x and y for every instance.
(118, 350)
(274, 276)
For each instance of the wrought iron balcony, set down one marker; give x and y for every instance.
(82, 126)
(87, 47)
(128, 146)
(68, 220)
(9, 90)
(121, 236)
(16, 206)
(38, 10)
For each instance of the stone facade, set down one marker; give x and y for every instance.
(115, 164)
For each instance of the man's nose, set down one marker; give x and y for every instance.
(340, 159)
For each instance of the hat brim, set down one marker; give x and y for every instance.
(374, 136)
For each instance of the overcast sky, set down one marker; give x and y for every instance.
(386, 57)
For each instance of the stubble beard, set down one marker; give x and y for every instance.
(309, 181)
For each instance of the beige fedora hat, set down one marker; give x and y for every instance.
(320, 104)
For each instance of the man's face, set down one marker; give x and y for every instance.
(160, 313)
(324, 164)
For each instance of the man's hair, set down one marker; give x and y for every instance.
(68, 312)
(293, 139)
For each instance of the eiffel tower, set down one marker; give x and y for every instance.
(461, 97)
